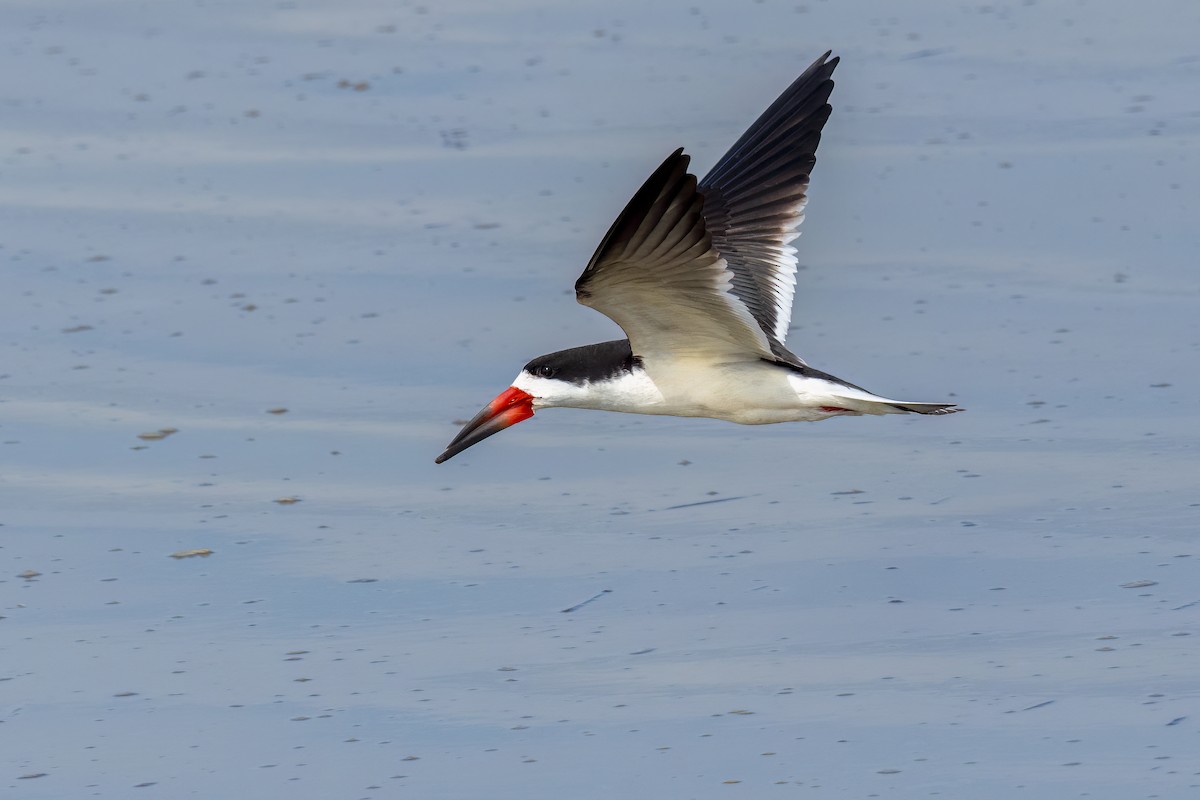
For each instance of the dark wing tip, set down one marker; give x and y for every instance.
(627, 224)
(755, 194)
(801, 109)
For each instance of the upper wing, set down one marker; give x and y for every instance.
(658, 276)
(754, 199)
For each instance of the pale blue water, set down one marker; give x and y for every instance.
(371, 214)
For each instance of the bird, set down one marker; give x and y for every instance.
(700, 275)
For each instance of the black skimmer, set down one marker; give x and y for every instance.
(700, 276)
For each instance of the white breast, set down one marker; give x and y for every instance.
(751, 392)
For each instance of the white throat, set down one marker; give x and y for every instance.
(628, 391)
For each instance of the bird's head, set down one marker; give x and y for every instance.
(575, 378)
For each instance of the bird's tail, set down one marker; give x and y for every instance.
(928, 408)
(851, 401)
(856, 400)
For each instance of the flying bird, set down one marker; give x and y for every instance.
(700, 276)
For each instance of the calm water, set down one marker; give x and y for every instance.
(371, 214)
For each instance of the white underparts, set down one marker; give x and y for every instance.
(752, 392)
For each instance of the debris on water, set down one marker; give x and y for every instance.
(202, 552)
(705, 502)
(1043, 704)
(594, 597)
(154, 436)
(279, 410)
(455, 139)
(28, 574)
(850, 491)
(286, 501)
(1138, 584)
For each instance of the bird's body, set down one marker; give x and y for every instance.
(700, 275)
(607, 377)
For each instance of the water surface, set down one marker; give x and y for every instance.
(371, 214)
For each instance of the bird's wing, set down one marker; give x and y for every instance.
(658, 276)
(754, 200)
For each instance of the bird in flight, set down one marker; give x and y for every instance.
(700, 276)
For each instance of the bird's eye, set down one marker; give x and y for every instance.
(544, 371)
